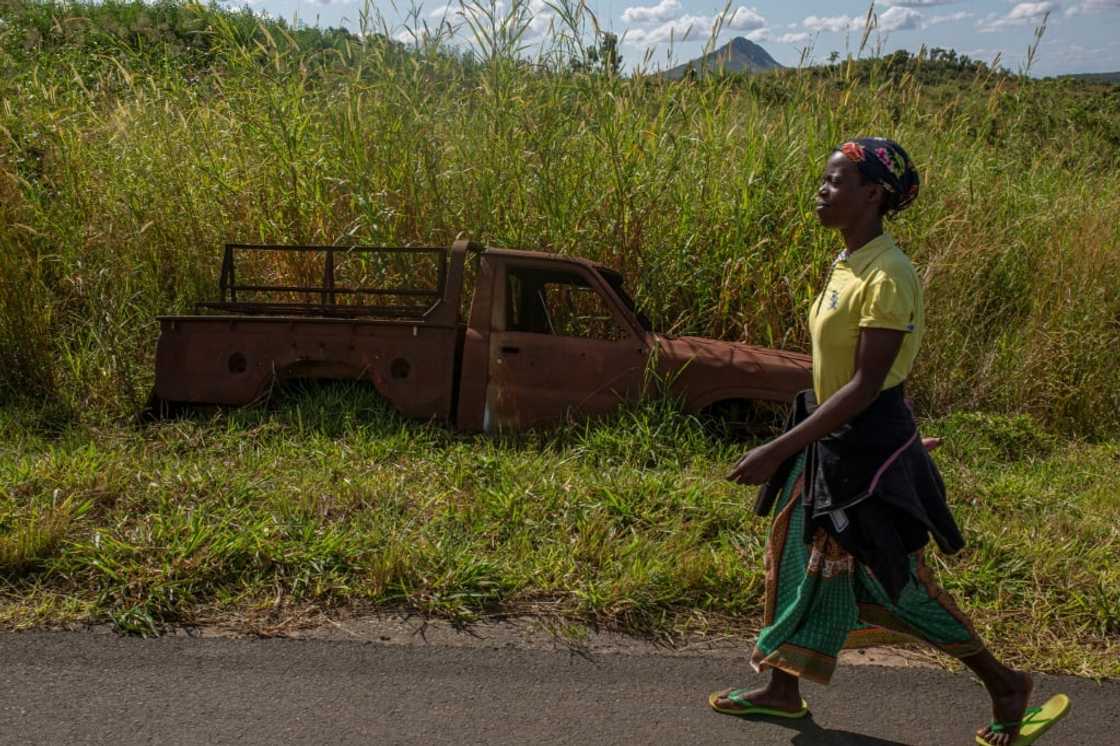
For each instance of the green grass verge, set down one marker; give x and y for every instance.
(627, 523)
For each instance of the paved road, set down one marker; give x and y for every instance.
(62, 688)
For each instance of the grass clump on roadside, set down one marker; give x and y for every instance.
(625, 523)
(27, 543)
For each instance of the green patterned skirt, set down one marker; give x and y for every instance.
(819, 600)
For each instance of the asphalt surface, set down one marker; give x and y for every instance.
(63, 688)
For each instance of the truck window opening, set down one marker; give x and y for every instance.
(614, 279)
(562, 304)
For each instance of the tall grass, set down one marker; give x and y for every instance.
(135, 140)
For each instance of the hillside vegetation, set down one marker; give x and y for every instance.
(136, 139)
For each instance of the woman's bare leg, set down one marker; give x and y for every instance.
(1009, 690)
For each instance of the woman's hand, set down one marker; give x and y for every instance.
(758, 465)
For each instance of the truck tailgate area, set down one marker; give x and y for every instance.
(234, 361)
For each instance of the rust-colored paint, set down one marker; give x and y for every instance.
(475, 361)
(484, 373)
(538, 378)
(707, 371)
(233, 360)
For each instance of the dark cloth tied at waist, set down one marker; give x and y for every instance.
(873, 486)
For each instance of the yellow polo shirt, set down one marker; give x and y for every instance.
(874, 287)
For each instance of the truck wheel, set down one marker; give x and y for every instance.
(161, 410)
(156, 410)
(744, 419)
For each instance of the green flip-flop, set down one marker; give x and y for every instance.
(750, 709)
(1035, 722)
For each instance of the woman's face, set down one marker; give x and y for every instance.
(844, 199)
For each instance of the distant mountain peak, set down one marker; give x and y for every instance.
(743, 44)
(739, 55)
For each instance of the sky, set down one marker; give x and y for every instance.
(1080, 36)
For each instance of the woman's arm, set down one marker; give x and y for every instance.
(875, 354)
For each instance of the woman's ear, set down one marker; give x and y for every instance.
(877, 198)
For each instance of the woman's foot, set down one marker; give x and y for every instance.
(1009, 702)
(775, 697)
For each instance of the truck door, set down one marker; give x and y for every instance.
(560, 347)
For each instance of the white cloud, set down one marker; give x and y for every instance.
(1030, 11)
(450, 10)
(919, 3)
(832, 23)
(745, 19)
(1092, 6)
(950, 18)
(540, 24)
(1021, 14)
(764, 34)
(693, 28)
(663, 11)
(542, 17)
(900, 19)
(679, 29)
(901, 16)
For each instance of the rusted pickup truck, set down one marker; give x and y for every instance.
(490, 339)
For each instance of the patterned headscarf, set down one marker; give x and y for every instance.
(885, 163)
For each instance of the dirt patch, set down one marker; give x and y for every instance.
(529, 632)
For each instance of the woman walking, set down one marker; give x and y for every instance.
(854, 492)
